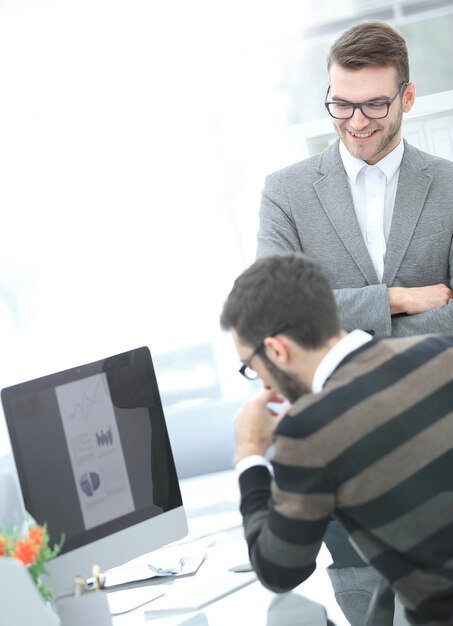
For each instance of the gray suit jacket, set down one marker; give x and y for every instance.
(307, 207)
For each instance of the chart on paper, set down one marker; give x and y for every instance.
(95, 449)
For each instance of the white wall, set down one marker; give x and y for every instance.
(134, 140)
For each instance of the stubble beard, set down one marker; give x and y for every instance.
(386, 141)
(286, 384)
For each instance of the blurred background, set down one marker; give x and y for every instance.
(135, 137)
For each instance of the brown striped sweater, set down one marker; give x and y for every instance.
(375, 450)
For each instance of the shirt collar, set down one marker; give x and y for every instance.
(347, 344)
(389, 164)
(352, 165)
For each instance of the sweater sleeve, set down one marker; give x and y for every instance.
(284, 523)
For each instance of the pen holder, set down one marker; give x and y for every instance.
(88, 608)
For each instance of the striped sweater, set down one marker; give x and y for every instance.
(374, 449)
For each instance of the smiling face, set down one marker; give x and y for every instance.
(370, 140)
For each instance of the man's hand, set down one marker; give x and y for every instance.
(254, 425)
(413, 300)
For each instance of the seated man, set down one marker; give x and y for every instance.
(368, 439)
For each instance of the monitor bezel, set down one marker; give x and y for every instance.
(111, 543)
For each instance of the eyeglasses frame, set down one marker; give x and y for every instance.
(260, 346)
(359, 105)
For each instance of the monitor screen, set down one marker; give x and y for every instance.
(94, 462)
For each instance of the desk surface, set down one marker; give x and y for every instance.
(215, 528)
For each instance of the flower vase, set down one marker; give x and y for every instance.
(20, 601)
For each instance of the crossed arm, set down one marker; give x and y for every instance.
(398, 311)
(417, 300)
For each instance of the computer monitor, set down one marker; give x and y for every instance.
(94, 463)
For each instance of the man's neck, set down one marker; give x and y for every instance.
(309, 360)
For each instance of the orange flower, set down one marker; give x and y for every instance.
(36, 535)
(33, 551)
(24, 551)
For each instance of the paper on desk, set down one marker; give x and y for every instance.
(172, 568)
(126, 600)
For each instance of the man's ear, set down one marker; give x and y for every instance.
(408, 97)
(277, 349)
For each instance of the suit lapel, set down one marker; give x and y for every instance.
(413, 185)
(336, 200)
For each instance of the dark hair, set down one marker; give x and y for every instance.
(371, 42)
(285, 289)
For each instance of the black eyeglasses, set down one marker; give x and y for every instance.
(373, 110)
(246, 369)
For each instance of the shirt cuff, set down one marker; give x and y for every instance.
(251, 461)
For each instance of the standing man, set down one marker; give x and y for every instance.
(374, 211)
(377, 214)
(368, 438)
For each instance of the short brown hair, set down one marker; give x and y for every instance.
(371, 42)
(288, 290)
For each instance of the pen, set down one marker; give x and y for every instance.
(79, 586)
(98, 577)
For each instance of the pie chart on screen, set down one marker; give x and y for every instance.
(89, 482)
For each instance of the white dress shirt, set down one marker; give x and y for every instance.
(349, 343)
(373, 189)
